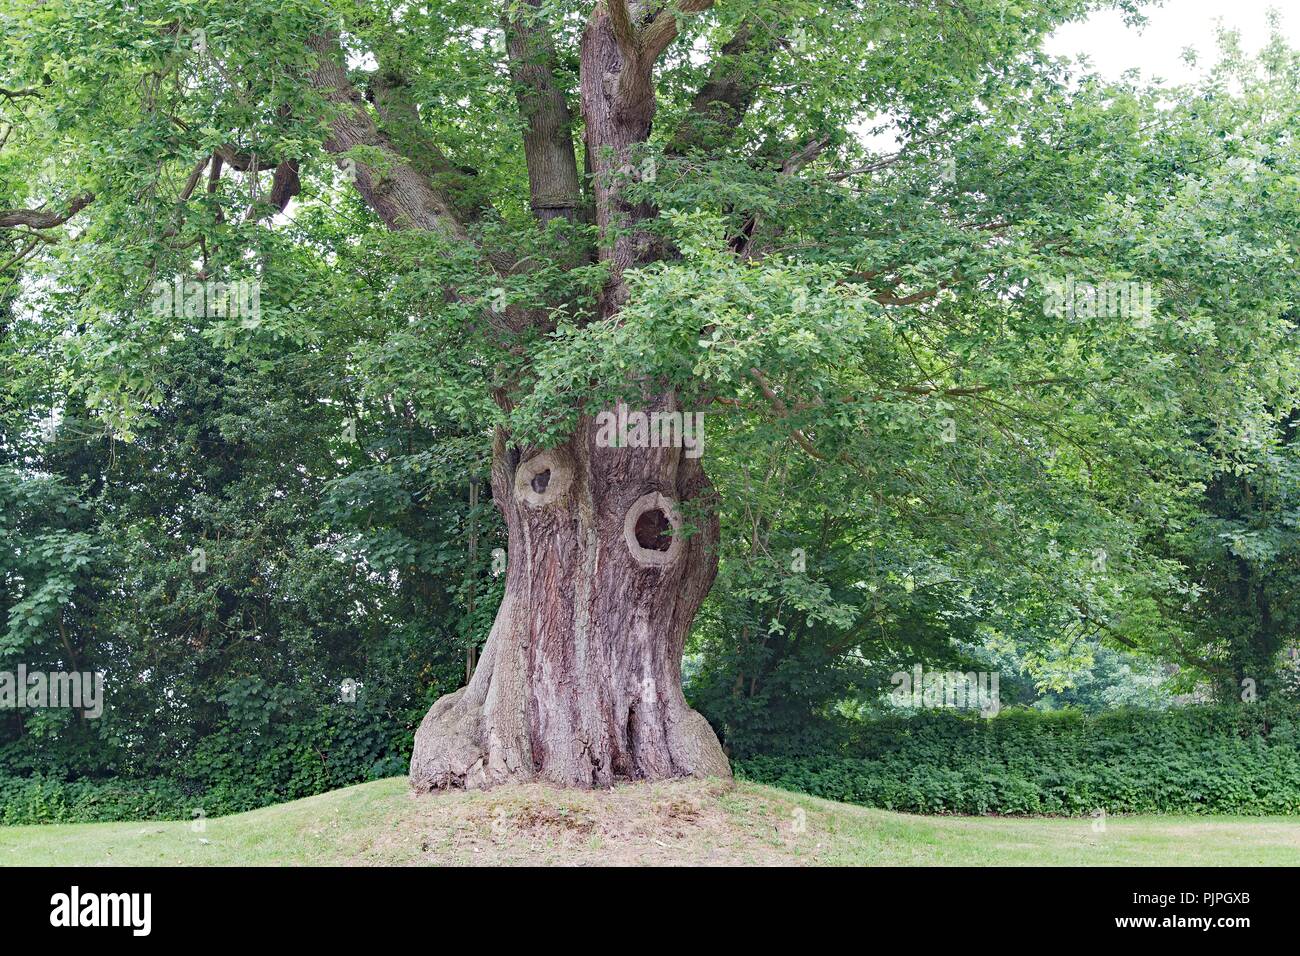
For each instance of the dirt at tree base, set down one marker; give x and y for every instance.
(677, 822)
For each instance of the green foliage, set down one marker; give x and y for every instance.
(268, 535)
(40, 799)
(1242, 543)
(1228, 759)
(274, 746)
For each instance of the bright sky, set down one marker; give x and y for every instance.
(1157, 48)
(1175, 25)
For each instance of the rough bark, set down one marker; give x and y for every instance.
(618, 107)
(579, 683)
(548, 125)
(400, 122)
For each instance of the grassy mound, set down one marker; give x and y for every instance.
(677, 823)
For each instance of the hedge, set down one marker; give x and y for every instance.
(1227, 759)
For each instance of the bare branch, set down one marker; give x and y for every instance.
(979, 389)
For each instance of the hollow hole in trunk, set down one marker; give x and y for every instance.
(541, 480)
(652, 531)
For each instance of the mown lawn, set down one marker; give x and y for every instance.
(684, 822)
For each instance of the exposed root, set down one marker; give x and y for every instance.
(477, 737)
(450, 752)
(695, 747)
(455, 749)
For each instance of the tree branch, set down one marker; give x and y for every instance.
(398, 193)
(400, 120)
(624, 31)
(553, 183)
(779, 404)
(743, 242)
(725, 98)
(245, 161)
(979, 389)
(662, 29)
(41, 218)
(22, 254)
(285, 184)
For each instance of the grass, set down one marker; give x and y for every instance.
(680, 822)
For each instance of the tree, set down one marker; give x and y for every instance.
(906, 322)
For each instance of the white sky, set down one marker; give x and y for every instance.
(1157, 49)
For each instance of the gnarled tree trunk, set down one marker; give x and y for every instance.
(580, 681)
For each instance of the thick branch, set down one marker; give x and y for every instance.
(400, 195)
(888, 298)
(662, 30)
(548, 137)
(618, 107)
(244, 162)
(400, 121)
(42, 218)
(624, 31)
(284, 186)
(725, 98)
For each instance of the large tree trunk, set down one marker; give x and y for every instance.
(580, 681)
(611, 549)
